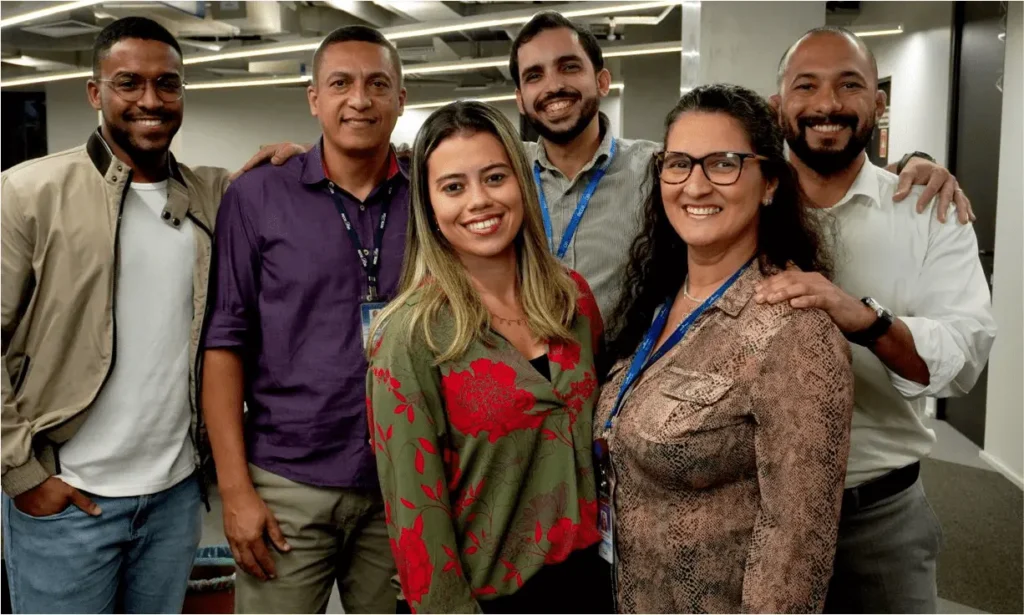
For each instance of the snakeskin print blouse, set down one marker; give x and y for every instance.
(729, 456)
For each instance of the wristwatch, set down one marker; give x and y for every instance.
(906, 158)
(869, 336)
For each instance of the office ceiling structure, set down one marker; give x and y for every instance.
(460, 46)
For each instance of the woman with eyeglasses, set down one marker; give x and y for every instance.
(482, 387)
(723, 427)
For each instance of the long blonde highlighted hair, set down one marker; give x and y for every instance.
(431, 267)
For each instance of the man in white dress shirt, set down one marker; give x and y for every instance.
(910, 295)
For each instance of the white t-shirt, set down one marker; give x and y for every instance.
(135, 440)
(929, 275)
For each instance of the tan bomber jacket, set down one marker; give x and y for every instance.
(60, 223)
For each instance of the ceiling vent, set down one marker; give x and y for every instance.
(63, 29)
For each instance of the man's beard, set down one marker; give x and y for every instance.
(588, 110)
(137, 152)
(829, 162)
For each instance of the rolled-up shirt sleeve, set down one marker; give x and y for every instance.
(951, 314)
(234, 286)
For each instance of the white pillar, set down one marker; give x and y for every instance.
(1004, 410)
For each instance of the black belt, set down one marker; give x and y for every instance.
(882, 487)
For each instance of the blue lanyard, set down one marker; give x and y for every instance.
(369, 259)
(581, 207)
(643, 359)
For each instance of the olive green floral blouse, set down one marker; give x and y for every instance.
(485, 465)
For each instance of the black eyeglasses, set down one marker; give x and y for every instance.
(131, 88)
(721, 168)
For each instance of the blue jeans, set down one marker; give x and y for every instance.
(135, 557)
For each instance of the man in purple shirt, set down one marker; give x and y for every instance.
(304, 252)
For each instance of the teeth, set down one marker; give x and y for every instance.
(483, 225)
(559, 105)
(149, 122)
(827, 128)
(703, 211)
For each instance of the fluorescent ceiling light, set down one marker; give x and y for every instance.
(622, 53)
(495, 98)
(45, 78)
(245, 83)
(251, 52)
(878, 30)
(63, 7)
(502, 61)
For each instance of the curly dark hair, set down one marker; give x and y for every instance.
(786, 234)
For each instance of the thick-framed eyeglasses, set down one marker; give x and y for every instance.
(131, 88)
(721, 168)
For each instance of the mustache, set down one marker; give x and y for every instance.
(153, 115)
(562, 93)
(850, 121)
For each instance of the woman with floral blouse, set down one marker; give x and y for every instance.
(482, 386)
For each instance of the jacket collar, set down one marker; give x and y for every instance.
(116, 173)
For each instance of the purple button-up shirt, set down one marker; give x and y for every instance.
(286, 294)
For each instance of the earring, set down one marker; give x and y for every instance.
(767, 201)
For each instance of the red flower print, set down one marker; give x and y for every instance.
(580, 392)
(486, 399)
(587, 532)
(562, 536)
(567, 356)
(413, 562)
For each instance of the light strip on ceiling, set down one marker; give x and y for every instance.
(48, 11)
(245, 83)
(502, 61)
(879, 32)
(45, 78)
(878, 29)
(495, 98)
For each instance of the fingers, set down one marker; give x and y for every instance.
(80, 500)
(245, 558)
(946, 195)
(935, 182)
(276, 535)
(263, 559)
(964, 212)
(903, 188)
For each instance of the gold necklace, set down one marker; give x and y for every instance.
(686, 292)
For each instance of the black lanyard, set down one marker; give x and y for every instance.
(369, 259)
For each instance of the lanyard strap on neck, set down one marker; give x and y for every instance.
(581, 206)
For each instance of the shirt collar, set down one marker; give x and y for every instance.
(865, 185)
(739, 295)
(603, 150)
(313, 171)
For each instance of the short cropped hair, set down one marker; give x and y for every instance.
(129, 27)
(362, 34)
(550, 20)
(834, 30)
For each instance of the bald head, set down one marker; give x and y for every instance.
(837, 31)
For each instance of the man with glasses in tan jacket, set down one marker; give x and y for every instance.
(106, 253)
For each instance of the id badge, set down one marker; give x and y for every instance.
(367, 312)
(605, 510)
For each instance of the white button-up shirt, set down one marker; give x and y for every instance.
(929, 275)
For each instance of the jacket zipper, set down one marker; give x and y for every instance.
(198, 371)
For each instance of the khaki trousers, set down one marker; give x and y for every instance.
(337, 536)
